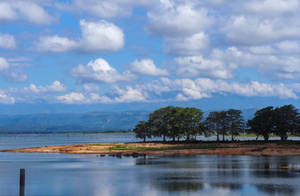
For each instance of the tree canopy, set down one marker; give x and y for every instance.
(187, 122)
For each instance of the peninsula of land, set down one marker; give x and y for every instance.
(252, 148)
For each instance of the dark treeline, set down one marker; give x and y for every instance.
(179, 122)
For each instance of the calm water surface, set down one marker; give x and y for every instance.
(92, 175)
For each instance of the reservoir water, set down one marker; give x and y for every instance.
(93, 175)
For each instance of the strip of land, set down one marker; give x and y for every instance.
(157, 148)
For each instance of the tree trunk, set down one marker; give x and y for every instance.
(144, 139)
(232, 139)
(283, 138)
(164, 138)
(177, 139)
(223, 137)
(188, 138)
(218, 139)
(266, 137)
(173, 138)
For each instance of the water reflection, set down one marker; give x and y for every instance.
(230, 186)
(231, 173)
(272, 167)
(276, 189)
(179, 175)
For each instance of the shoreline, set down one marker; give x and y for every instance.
(251, 148)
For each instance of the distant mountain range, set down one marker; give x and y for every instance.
(78, 122)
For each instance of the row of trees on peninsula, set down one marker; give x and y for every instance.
(176, 123)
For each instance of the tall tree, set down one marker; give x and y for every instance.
(262, 122)
(217, 122)
(212, 124)
(236, 122)
(192, 124)
(142, 130)
(286, 120)
(160, 122)
(224, 123)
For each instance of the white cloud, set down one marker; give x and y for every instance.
(11, 70)
(81, 98)
(100, 36)
(107, 8)
(7, 41)
(99, 71)
(6, 11)
(55, 44)
(272, 7)
(193, 66)
(125, 95)
(204, 87)
(71, 98)
(56, 86)
(178, 19)
(4, 65)
(24, 10)
(130, 95)
(147, 67)
(191, 45)
(90, 87)
(15, 75)
(6, 99)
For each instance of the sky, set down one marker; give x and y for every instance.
(141, 54)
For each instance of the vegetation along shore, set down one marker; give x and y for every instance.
(179, 127)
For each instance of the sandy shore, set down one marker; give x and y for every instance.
(140, 149)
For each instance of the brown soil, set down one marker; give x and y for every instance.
(156, 148)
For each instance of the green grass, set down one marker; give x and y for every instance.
(179, 147)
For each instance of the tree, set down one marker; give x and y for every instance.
(286, 120)
(223, 123)
(236, 122)
(212, 124)
(142, 130)
(217, 122)
(262, 122)
(160, 122)
(191, 124)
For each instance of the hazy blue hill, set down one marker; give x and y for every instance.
(79, 122)
(94, 121)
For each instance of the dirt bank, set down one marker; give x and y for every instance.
(155, 148)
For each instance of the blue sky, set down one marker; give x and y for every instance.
(120, 54)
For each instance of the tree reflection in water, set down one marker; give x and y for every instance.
(208, 174)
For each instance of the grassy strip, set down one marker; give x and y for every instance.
(181, 147)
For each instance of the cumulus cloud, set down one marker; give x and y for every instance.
(99, 71)
(130, 95)
(178, 18)
(191, 45)
(101, 36)
(15, 75)
(11, 71)
(188, 89)
(4, 65)
(24, 10)
(56, 86)
(147, 67)
(55, 44)
(250, 30)
(6, 99)
(80, 98)
(126, 95)
(7, 41)
(272, 7)
(213, 66)
(104, 8)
